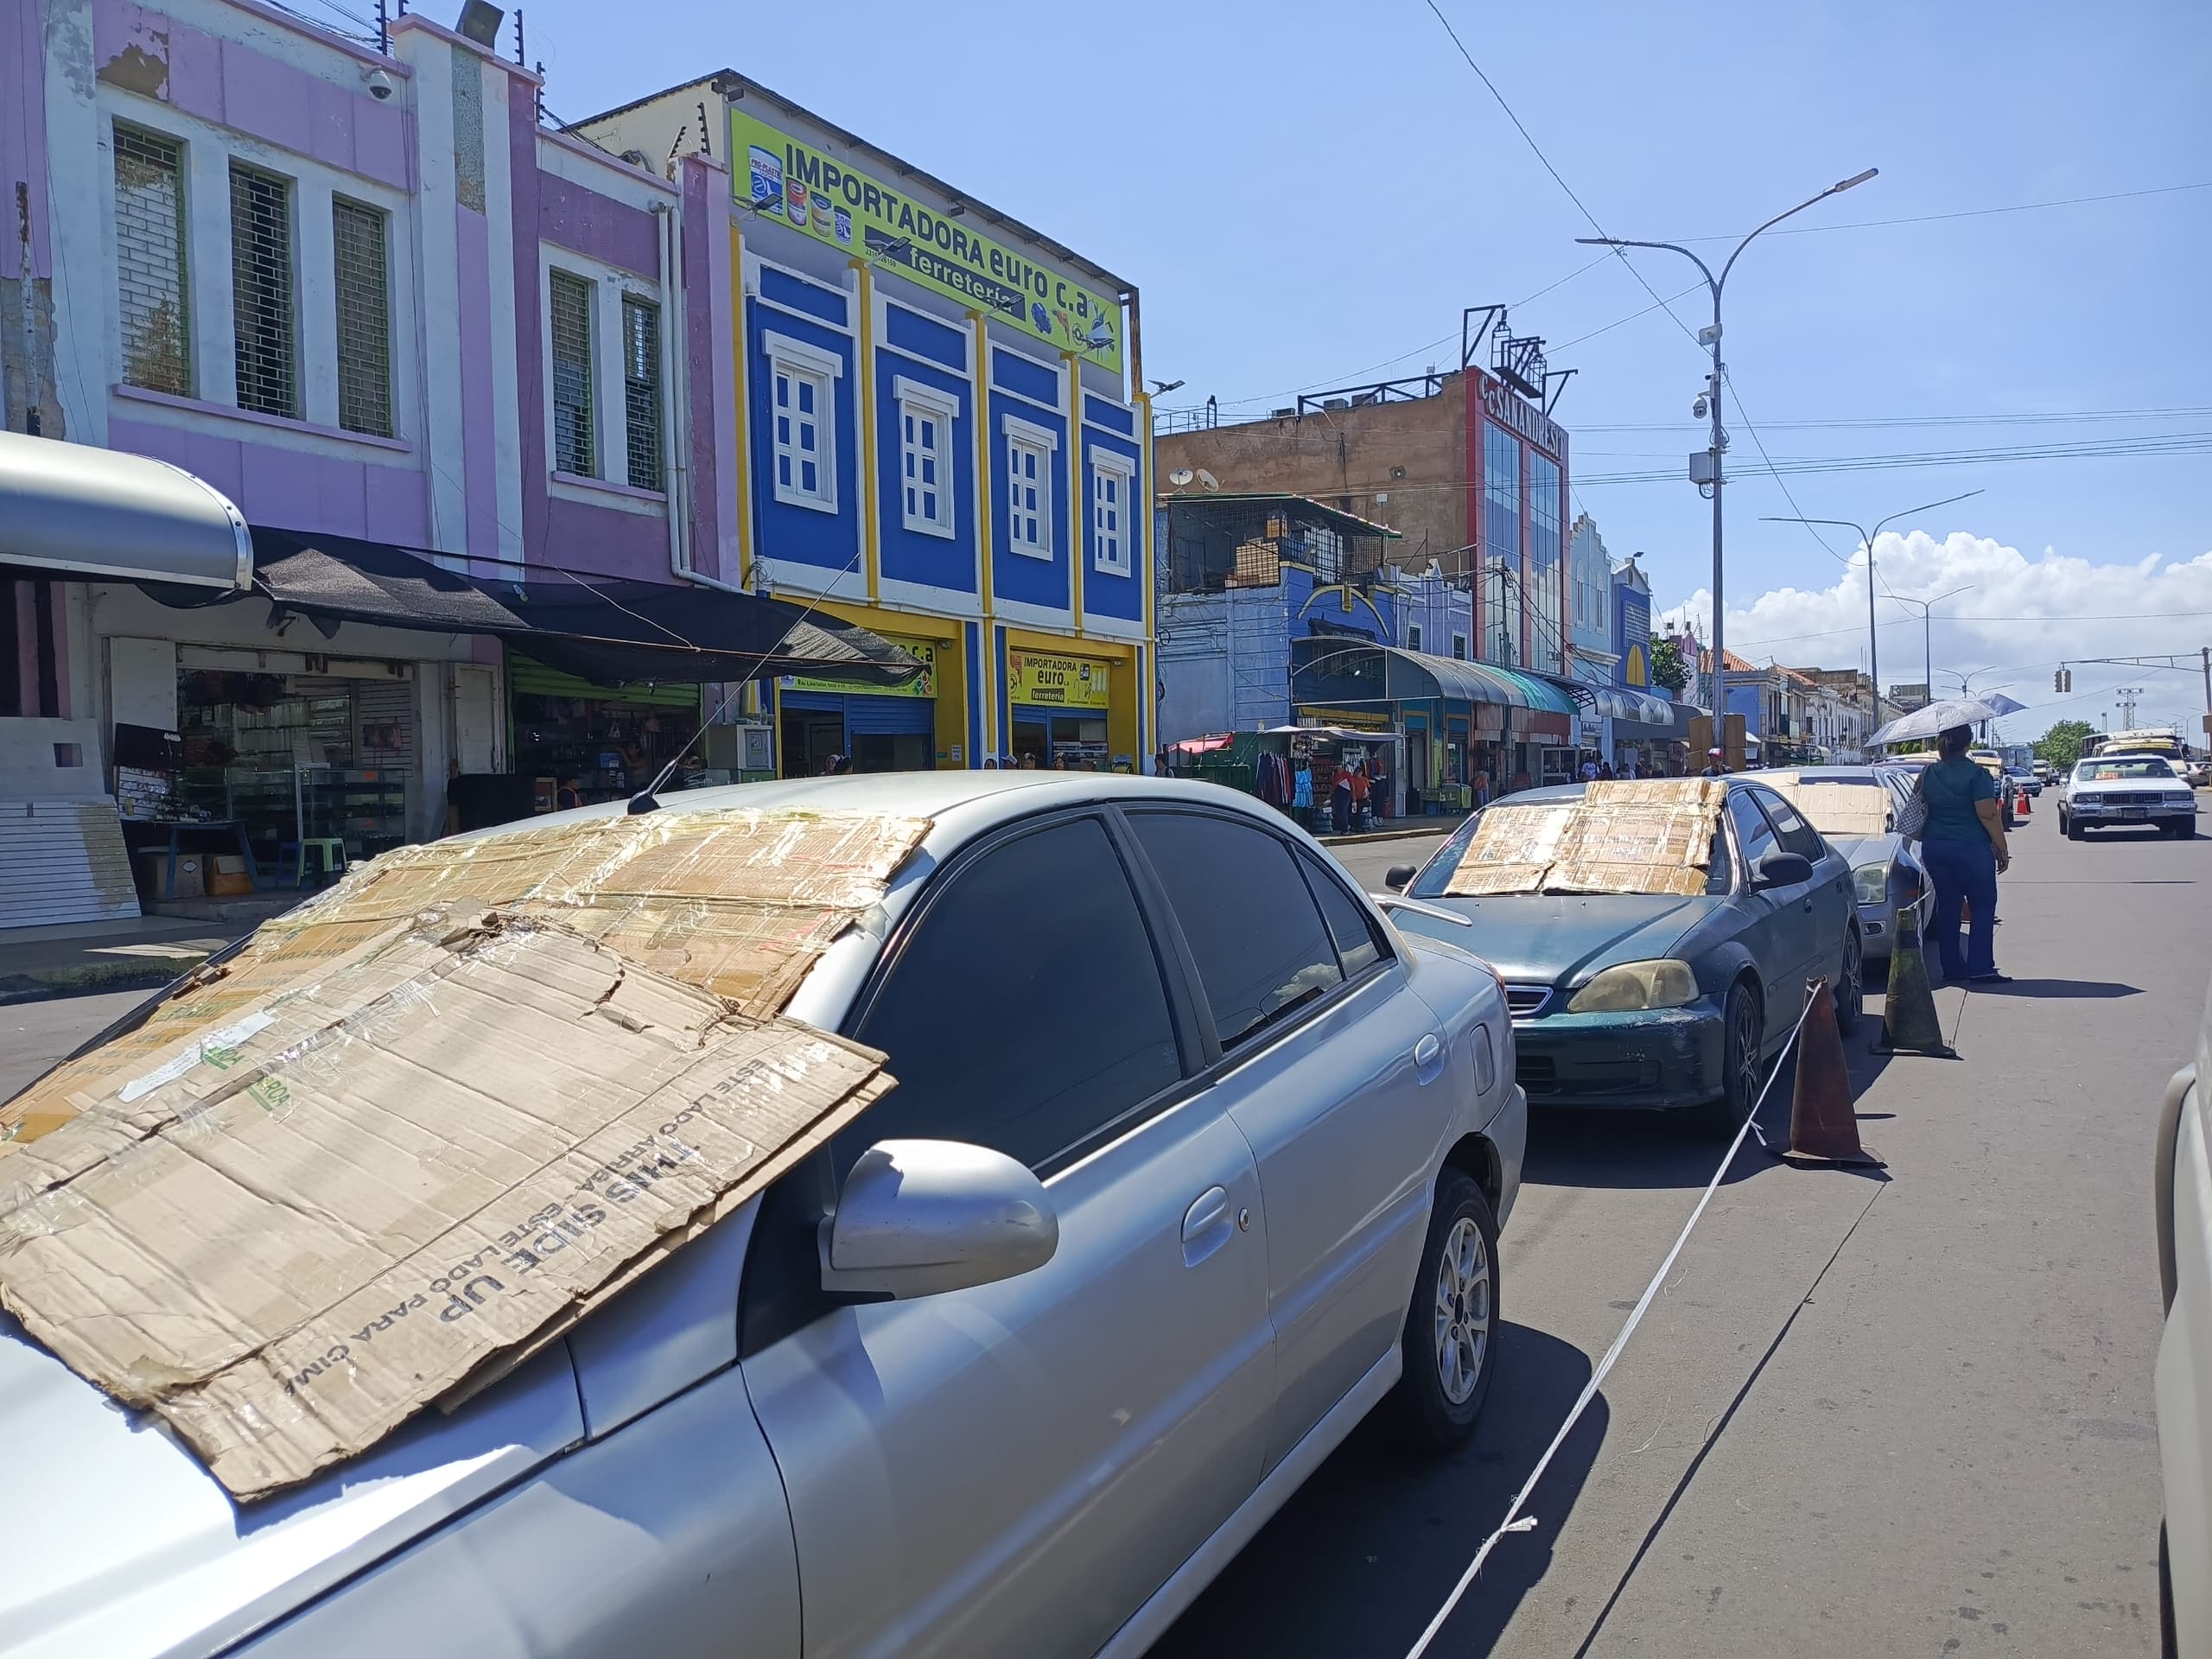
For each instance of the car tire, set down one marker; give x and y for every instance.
(1850, 991)
(2169, 1645)
(1741, 1073)
(1450, 1345)
(2074, 831)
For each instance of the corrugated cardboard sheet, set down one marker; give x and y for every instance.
(401, 1145)
(1841, 810)
(1633, 836)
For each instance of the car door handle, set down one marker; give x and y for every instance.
(1428, 1059)
(1206, 1225)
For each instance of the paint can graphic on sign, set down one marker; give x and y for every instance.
(795, 202)
(845, 226)
(767, 180)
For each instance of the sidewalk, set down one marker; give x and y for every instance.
(1401, 829)
(147, 954)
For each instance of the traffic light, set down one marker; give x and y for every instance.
(2063, 680)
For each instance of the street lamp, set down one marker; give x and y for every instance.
(1711, 337)
(1873, 664)
(1927, 630)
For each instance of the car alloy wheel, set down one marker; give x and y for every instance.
(1463, 1312)
(1851, 984)
(1743, 1055)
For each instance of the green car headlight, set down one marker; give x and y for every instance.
(1872, 883)
(1636, 987)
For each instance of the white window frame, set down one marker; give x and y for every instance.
(1412, 636)
(916, 399)
(802, 361)
(1460, 647)
(1022, 434)
(1104, 464)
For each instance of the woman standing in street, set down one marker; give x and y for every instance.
(1963, 847)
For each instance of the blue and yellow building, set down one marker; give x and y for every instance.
(942, 435)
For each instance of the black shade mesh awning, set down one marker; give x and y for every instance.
(607, 630)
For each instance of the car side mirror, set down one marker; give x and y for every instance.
(1398, 876)
(1781, 870)
(917, 1217)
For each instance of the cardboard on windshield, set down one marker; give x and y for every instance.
(1632, 836)
(1845, 811)
(289, 1231)
(737, 903)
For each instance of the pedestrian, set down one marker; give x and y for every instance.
(1606, 771)
(1029, 760)
(1963, 847)
(1340, 803)
(991, 763)
(1716, 763)
(1163, 764)
(1301, 792)
(568, 795)
(1482, 789)
(1359, 792)
(1589, 772)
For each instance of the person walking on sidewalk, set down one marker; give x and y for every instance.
(1963, 847)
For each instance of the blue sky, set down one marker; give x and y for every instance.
(1309, 194)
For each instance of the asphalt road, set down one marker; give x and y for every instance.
(1866, 1416)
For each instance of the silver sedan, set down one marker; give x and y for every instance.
(1855, 808)
(1194, 1161)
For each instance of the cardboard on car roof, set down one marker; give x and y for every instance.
(1846, 809)
(1632, 836)
(374, 1169)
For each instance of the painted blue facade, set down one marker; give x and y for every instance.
(919, 352)
(790, 309)
(1021, 577)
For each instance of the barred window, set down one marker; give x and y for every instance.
(575, 449)
(364, 318)
(260, 284)
(641, 389)
(149, 260)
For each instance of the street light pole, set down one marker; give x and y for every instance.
(1717, 440)
(1873, 664)
(1927, 630)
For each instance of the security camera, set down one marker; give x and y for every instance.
(380, 86)
(1698, 409)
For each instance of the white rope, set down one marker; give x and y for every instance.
(1514, 1520)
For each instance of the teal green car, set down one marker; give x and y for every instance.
(1654, 1000)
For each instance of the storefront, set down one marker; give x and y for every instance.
(603, 742)
(1057, 708)
(879, 728)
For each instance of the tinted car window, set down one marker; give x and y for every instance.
(1357, 949)
(1752, 829)
(1027, 1011)
(1254, 930)
(1797, 835)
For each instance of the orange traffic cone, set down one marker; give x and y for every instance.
(2020, 805)
(1823, 1120)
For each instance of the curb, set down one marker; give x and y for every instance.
(1442, 828)
(83, 979)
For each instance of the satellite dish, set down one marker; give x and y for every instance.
(1207, 481)
(1179, 477)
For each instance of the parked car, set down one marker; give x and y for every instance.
(2019, 777)
(2127, 789)
(1651, 1000)
(2182, 1200)
(1908, 768)
(1886, 874)
(1193, 1161)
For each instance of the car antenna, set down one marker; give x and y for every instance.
(647, 799)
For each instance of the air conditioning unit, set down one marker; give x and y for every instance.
(1282, 414)
(1336, 402)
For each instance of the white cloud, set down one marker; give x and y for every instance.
(2023, 616)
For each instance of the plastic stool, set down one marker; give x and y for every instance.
(330, 859)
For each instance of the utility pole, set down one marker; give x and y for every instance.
(2127, 694)
(1710, 473)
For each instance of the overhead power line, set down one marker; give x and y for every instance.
(1968, 213)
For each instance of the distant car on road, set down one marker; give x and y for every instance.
(1651, 1000)
(2182, 1198)
(2109, 789)
(2021, 778)
(1855, 808)
(2046, 773)
(1193, 1161)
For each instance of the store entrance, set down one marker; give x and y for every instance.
(811, 737)
(1060, 742)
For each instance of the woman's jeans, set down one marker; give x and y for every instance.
(1963, 872)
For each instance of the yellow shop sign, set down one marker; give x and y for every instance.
(923, 685)
(1049, 682)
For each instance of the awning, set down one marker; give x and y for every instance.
(609, 631)
(1633, 706)
(1483, 682)
(1673, 725)
(78, 510)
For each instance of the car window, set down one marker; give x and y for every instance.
(1358, 948)
(1797, 835)
(1253, 928)
(1753, 832)
(1027, 1011)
